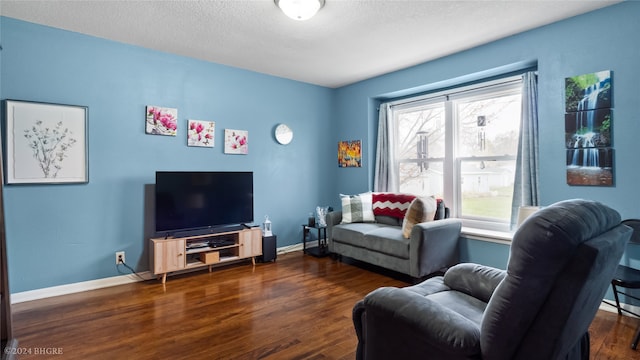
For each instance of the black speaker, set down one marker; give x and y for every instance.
(268, 249)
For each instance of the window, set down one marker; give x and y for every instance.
(461, 146)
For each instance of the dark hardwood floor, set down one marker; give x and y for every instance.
(296, 308)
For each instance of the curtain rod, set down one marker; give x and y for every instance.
(455, 90)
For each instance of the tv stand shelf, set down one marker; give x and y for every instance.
(169, 255)
(209, 248)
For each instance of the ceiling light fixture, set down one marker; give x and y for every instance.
(300, 9)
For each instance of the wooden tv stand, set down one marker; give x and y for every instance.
(191, 252)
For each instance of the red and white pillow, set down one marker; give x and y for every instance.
(391, 204)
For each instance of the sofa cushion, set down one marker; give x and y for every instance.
(421, 210)
(376, 237)
(391, 204)
(357, 208)
(388, 220)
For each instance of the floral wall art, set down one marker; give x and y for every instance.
(236, 141)
(46, 143)
(588, 120)
(161, 121)
(201, 133)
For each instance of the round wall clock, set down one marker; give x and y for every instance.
(284, 134)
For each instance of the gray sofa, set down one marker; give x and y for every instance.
(432, 247)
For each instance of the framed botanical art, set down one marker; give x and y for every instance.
(201, 133)
(46, 143)
(161, 121)
(236, 141)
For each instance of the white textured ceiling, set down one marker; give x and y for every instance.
(347, 41)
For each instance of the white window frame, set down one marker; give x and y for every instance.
(452, 191)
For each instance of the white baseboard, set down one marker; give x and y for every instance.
(296, 247)
(105, 282)
(611, 308)
(78, 287)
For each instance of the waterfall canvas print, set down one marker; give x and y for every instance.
(588, 121)
(588, 129)
(588, 92)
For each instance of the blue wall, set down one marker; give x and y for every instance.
(606, 39)
(61, 234)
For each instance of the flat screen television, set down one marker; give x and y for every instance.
(189, 201)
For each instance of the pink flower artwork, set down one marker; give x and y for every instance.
(201, 133)
(236, 141)
(161, 121)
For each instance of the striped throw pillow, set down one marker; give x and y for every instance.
(391, 204)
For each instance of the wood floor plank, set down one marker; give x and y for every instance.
(296, 308)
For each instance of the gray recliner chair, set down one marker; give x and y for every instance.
(561, 262)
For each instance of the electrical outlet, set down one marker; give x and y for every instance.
(119, 257)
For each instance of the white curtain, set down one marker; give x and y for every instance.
(525, 188)
(385, 177)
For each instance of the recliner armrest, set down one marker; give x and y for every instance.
(476, 280)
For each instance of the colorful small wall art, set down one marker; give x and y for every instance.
(350, 153)
(236, 141)
(201, 133)
(588, 119)
(161, 121)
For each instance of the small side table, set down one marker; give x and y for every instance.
(318, 251)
